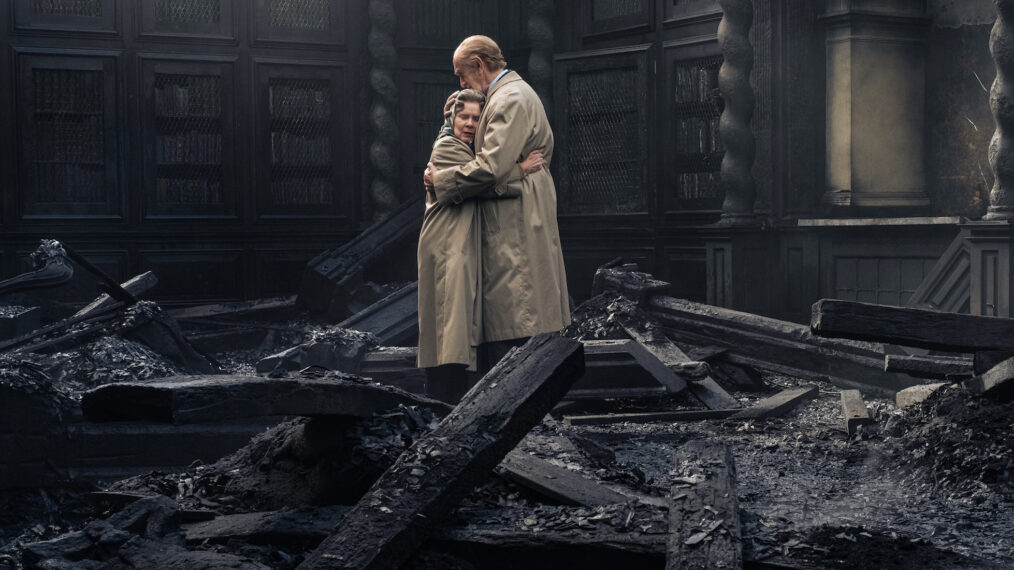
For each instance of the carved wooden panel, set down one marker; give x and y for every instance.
(189, 139)
(607, 16)
(684, 9)
(883, 280)
(70, 15)
(279, 272)
(444, 23)
(303, 143)
(187, 18)
(68, 132)
(83, 286)
(421, 110)
(601, 104)
(195, 275)
(301, 21)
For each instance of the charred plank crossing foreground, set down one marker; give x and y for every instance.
(427, 481)
(954, 332)
(704, 529)
(189, 399)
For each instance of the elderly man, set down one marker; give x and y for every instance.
(524, 284)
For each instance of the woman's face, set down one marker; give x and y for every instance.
(466, 120)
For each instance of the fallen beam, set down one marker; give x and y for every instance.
(135, 286)
(648, 417)
(704, 529)
(915, 394)
(854, 411)
(997, 383)
(777, 405)
(712, 395)
(193, 399)
(236, 309)
(557, 483)
(953, 332)
(16, 320)
(427, 481)
(778, 346)
(51, 267)
(330, 278)
(394, 320)
(929, 366)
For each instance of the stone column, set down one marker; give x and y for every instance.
(876, 75)
(734, 124)
(383, 192)
(1001, 102)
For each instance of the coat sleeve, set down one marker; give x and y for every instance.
(505, 137)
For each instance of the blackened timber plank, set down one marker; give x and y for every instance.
(929, 366)
(199, 398)
(394, 320)
(712, 395)
(996, 383)
(657, 354)
(236, 309)
(704, 529)
(557, 483)
(854, 411)
(906, 326)
(780, 346)
(778, 404)
(135, 286)
(647, 417)
(399, 512)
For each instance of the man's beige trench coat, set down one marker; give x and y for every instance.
(524, 284)
(450, 267)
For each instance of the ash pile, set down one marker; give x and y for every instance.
(654, 432)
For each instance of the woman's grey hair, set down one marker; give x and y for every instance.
(468, 96)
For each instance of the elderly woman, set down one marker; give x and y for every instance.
(450, 272)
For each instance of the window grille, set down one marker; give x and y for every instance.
(301, 150)
(300, 14)
(697, 108)
(188, 141)
(82, 8)
(175, 12)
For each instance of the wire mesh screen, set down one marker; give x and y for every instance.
(300, 14)
(67, 158)
(604, 150)
(188, 140)
(605, 9)
(301, 150)
(176, 12)
(84, 8)
(699, 150)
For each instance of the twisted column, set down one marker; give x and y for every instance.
(734, 124)
(1001, 103)
(383, 108)
(540, 61)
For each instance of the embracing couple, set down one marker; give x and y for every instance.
(491, 269)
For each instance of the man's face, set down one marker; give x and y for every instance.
(466, 120)
(469, 74)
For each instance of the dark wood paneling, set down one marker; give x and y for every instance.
(78, 16)
(420, 117)
(68, 128)
(280, 271)
(442, 24)
(616, 16)
(303, 141)
(602, 104)
(582, 261)
(190, 138)
(682, 11)
(206, 275)
(189, 20)
(300, 21)
(686, 269)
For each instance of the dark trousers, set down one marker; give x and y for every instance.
(450, 382)
(492, 352)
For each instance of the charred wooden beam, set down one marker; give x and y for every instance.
(51, 267)
(625, 279)
(915, 394)
(60, 328)
(648, 417)
(704, 529)
(331, 277)
(256, 307)
(952, 332)
(983, 360)
(929, 366)
(135, 286)
(777, 405)
(779, 346)
(997, 383)
(148, 323)
(16, 321)
(427, 481)
(191, 399)
(854, 411)
(394, 320)
(556, 483)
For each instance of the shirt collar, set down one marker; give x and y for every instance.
(497, 78)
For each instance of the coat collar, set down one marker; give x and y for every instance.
(509, 77)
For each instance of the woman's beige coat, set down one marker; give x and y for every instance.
(450, 264)
(524, 284)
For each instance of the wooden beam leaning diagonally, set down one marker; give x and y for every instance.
(704, 527)
(135, 286)
(954, 332)
(557, 483)
(996, 383)
(778, 404)
(422, 487)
